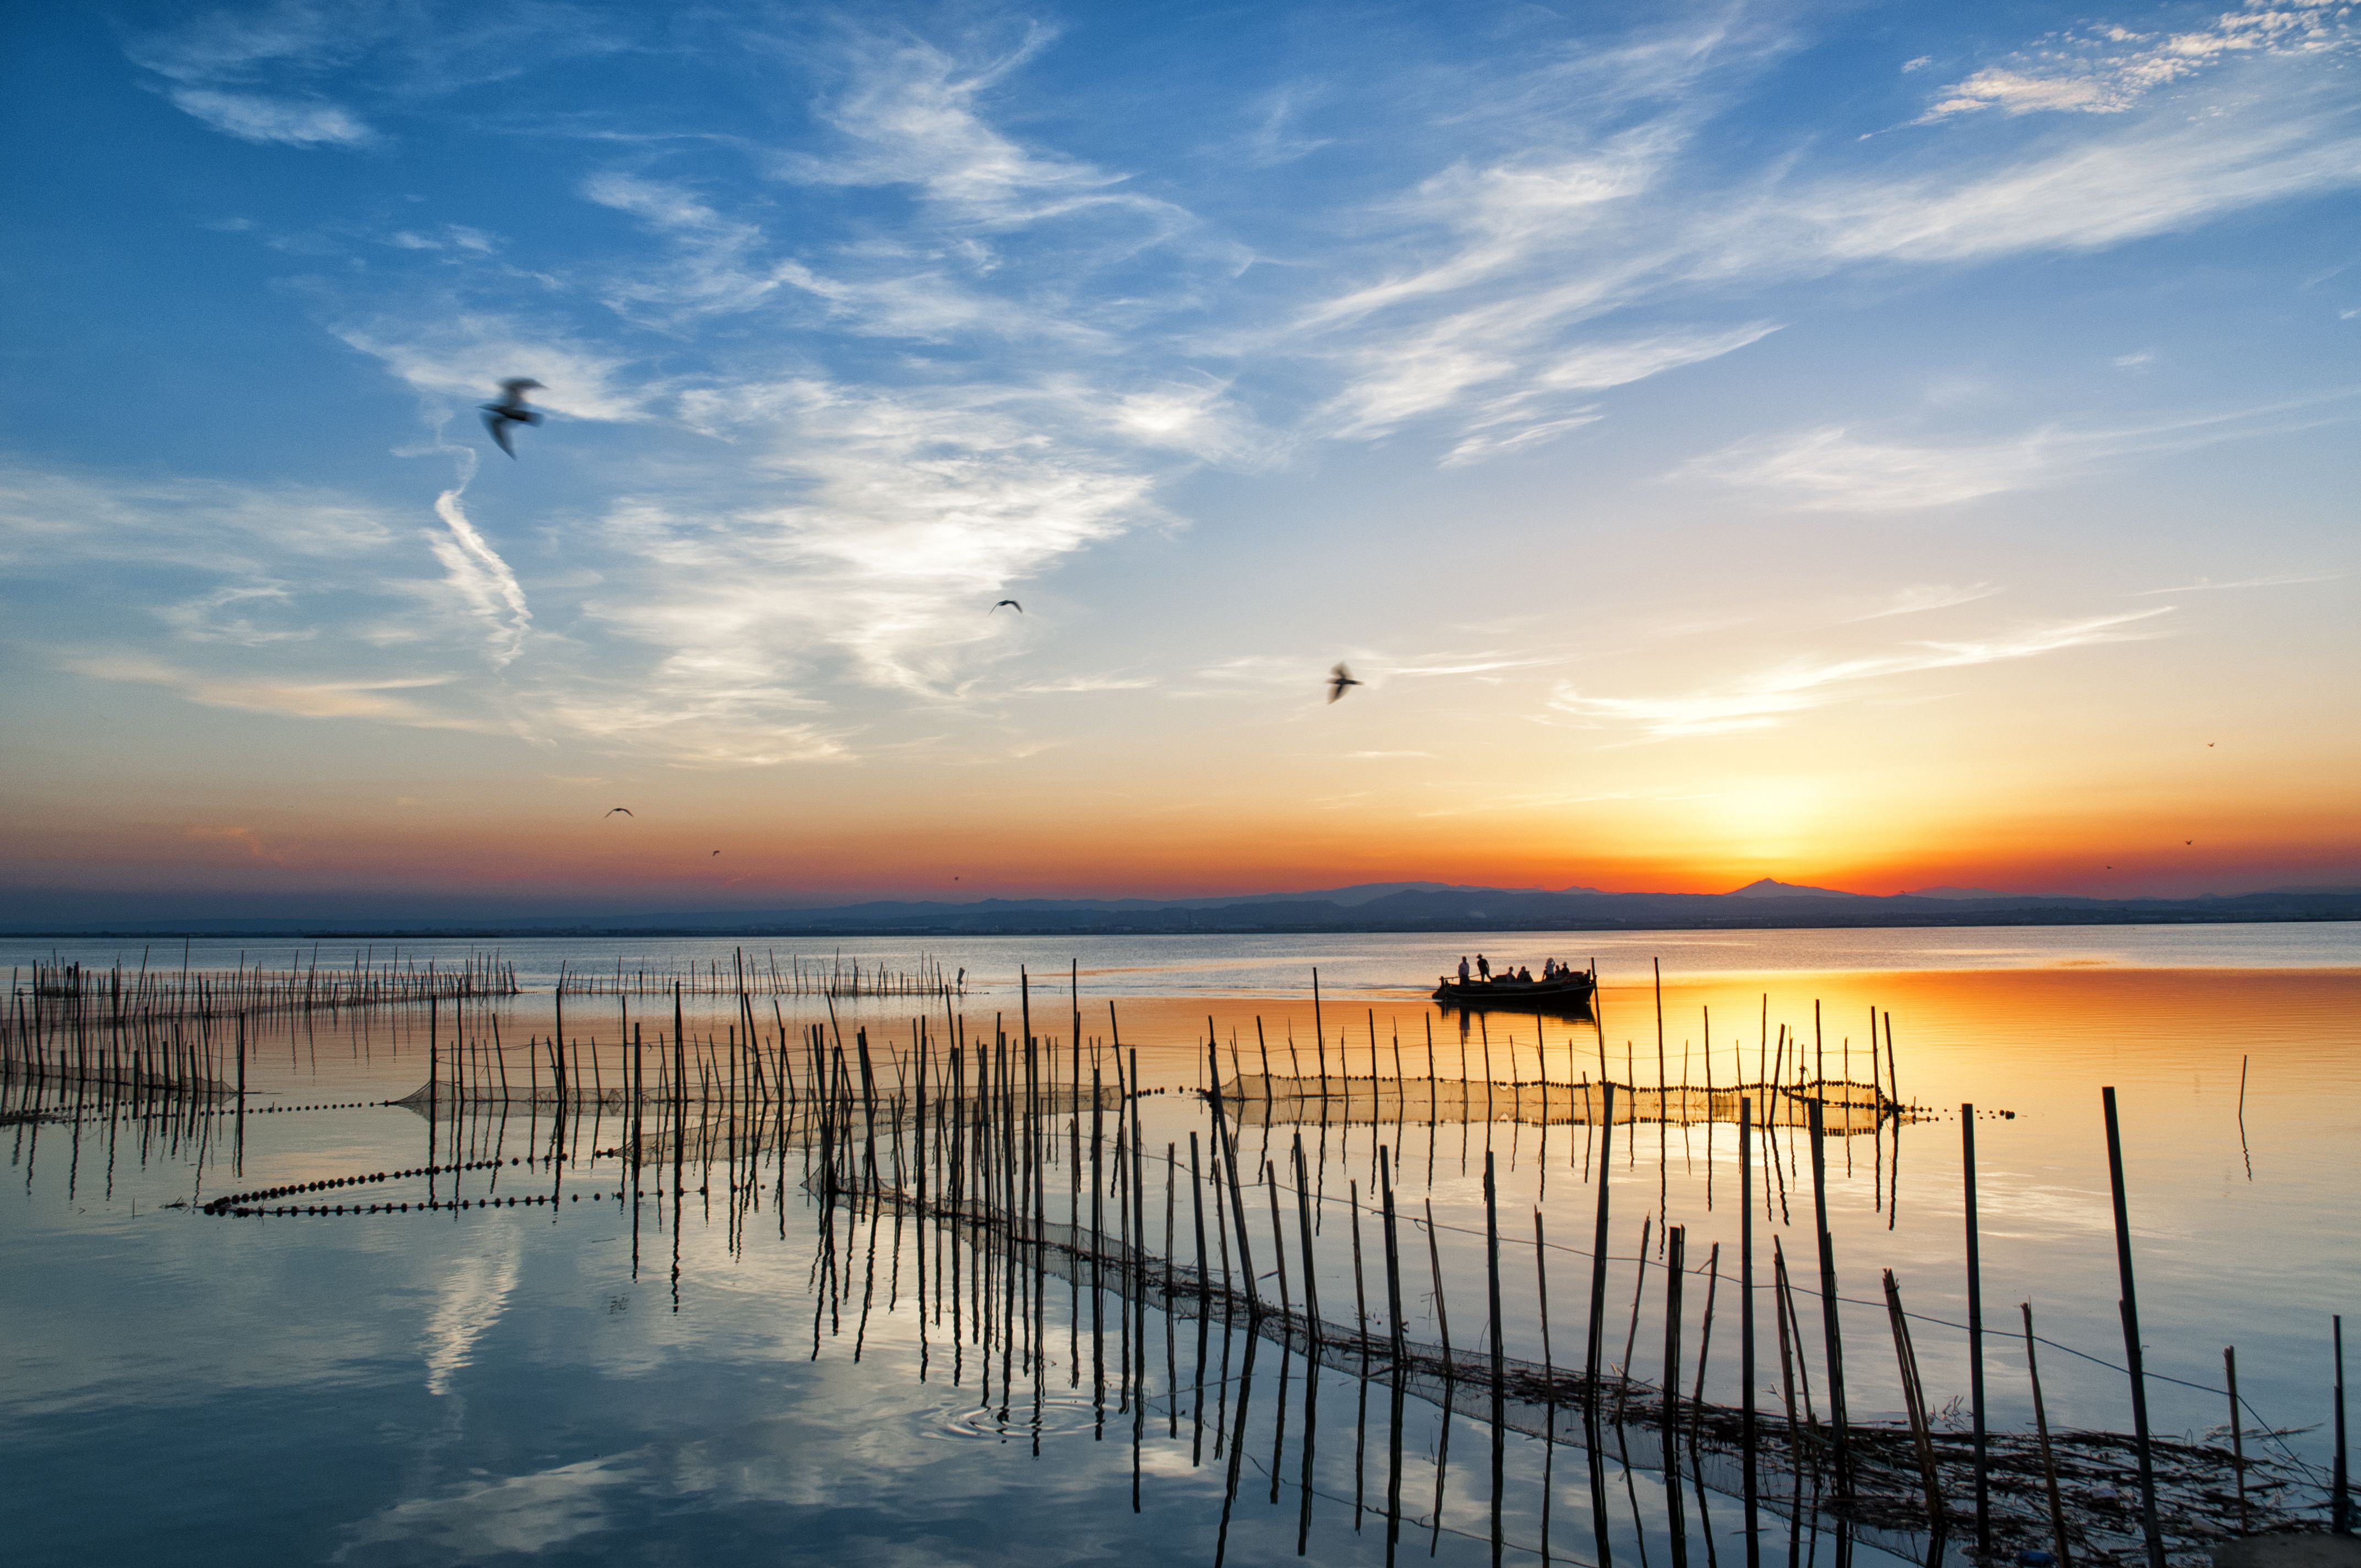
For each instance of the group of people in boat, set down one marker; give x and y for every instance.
(1553, 972)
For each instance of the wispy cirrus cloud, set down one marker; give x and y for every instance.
(2277, 580)
(1767, 700)
(2107, 69)
(1525, 263)
(1834, 469)
(1920, 598)
(385, 698)
(291, 122)
(913, 114)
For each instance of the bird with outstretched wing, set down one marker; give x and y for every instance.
(502, 418)
(1339, 680)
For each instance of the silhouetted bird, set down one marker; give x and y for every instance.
(1010, 603)
(1338, 679)
(717, 852)
(624, 809)
(501, 418)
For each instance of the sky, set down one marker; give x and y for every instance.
(1877, 446)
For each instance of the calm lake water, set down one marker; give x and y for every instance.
(757, 1377)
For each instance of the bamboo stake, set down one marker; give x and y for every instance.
(1747, 1438)
(2238, 1435)
(2041, 1429)
(1914, 1403)
(1598, 1250)
(1976, 1333)
(2129, 1307)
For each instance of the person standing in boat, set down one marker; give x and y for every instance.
(1483, 966)
(1463, 968)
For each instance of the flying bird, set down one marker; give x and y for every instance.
(717, 852)
(1338, 679)
(502, 418)
(1010, 603)
(624, 809)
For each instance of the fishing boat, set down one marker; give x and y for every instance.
(1570, 991)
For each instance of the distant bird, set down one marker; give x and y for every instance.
(1010, 603)
(1338, 679)
(2209, 745)
(2188, 840)
(501, 418)
(624, 809)
(717, 852)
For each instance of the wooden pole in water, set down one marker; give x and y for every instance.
(1441, 1313)
(1303, 1224)
(1500, 1361)
(1278, 1241)
(1631, 1339)
(2340, 1496)
(2129, 1306)
(1320, 1035)
(1360, 1289)
(1676, 1237)
(1746, 1437)
(1913, 1404)
(2041, 1429)
(1228, 1153)
(1976, 1335)
(1598, 1248)
(2238, 1435)
(1541, 1283)
(1394, 1261)
(1492, 1276)
(1834, 1330)
(1705, 1336)
(1197, 1212)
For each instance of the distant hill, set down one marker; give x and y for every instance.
(1767, 888)
(1372, 907)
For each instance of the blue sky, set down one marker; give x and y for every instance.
(1820, 440)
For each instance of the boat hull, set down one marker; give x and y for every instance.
(1572, 995)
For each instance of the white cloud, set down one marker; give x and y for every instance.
(2206, 585)
(1488, 287)
(910, 115)
(229, 615)
(291, 122)
(1833, 469)
(378, 698)
(2092, 72)
(1766, 700)
(479, 576)
(1921, 598)
(247, 530)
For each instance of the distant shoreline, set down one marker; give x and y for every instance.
(428, 931)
